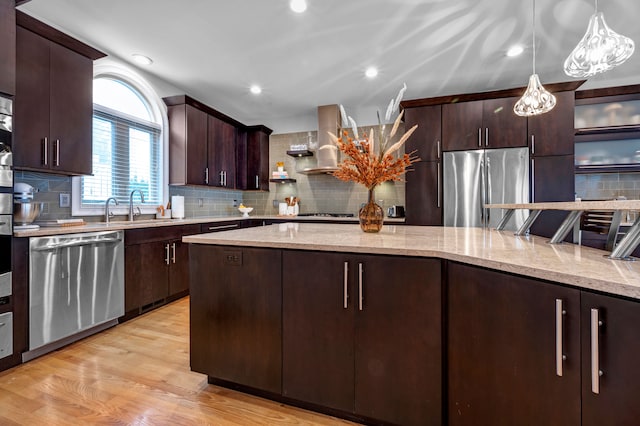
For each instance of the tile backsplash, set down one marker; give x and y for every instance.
(607, 186)
(318, 193)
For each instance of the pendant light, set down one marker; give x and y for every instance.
(536, 99)
(600, 49)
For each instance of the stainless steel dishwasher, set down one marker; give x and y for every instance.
(76, 287)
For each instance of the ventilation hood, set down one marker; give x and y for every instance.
(328, 121)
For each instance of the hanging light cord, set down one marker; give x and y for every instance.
(534, 36)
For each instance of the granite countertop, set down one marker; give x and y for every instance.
(152, 223)
(573, 205)
(531, 256)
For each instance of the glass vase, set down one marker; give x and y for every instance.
(371, 215)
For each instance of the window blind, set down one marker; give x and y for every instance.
(126, 156)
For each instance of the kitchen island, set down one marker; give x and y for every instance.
(418, 325)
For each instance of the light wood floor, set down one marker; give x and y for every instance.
(135, 373)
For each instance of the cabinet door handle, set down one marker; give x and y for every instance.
(438, 149)
(486, 136)
(595, 351)
(439, 186)
(533, 180)
(560, 312)
(57, 155)
(480, 137)
(206, 175)
(45, 151)
(221, 227)
(173, 252)
(533, 144)
(257, 182)
(166, 256)
(345, 285)
(360, 284)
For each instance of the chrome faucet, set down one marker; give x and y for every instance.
(107, 213)
(131, 215)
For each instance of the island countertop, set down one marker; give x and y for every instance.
(531, 256)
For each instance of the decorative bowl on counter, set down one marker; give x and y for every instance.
(245, 211)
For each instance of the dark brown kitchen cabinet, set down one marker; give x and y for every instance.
(552, 133)
(221, 137)
(503, 353)
(156, 267)
(187, 145)
(54, 106)
(489, 123)
(236, 317)
(362, 334)
(552, 179)
(613, 398)
(423, 196)
(253, 158)
(7, 47)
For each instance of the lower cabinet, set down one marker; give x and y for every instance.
(236, 316)
(362, 334)
(527, 352)
(156, 266)
(502, 365)
(610, 374)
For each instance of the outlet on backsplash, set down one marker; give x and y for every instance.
(65, 200)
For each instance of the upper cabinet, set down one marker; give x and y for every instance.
(552, 133)
(208, 148)
(607, 130)
(54, 100)
(489, 123)
(7, 47)
(253, 158)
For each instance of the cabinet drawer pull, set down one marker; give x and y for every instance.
(480, 137)
(173, 252)
(595, 351)
(360, 296)
(438, 149)
(560, 357)
(56, 161)
(166, 257)
(206, 175)
(345, 285)
(220, 227)
(486, 136)
(45, 151)
(257, 182)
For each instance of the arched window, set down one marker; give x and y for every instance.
(127, 148)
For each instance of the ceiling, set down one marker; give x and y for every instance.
(215, 50)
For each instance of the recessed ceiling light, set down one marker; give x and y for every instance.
(371, 72)
(515, 51)
(255, 89)
(141, 59)
(298, 6)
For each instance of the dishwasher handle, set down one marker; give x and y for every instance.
(78, 243)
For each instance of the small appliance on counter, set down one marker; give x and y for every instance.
(25, 209)
(395, 211)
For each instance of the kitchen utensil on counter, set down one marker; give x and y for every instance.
(395, 211)
(25, 209)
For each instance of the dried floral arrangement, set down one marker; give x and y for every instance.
(373, 159)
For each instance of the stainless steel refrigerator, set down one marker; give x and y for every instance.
(474, 178)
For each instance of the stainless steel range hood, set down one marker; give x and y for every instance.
(328, 121)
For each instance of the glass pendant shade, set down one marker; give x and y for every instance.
(599, 50)
(536, 99)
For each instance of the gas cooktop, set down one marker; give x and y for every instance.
(326, 214)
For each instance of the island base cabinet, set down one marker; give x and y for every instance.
(236, 315)
(503, 366)
(362, 334)
(617, 351)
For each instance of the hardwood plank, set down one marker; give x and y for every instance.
(135, 373)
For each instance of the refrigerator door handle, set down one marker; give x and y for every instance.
(483, 183)
(488, 191)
